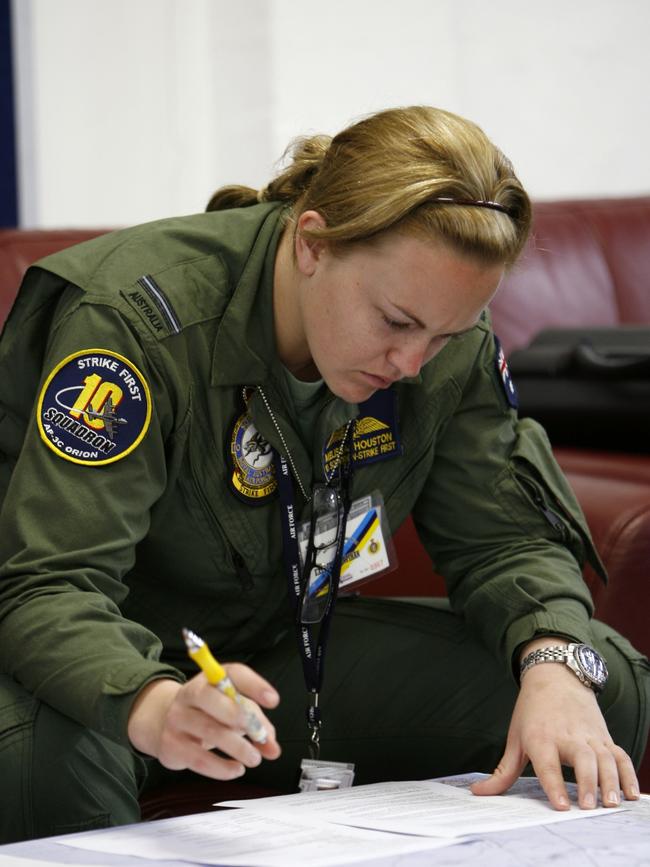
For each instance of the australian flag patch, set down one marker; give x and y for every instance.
(505, 378)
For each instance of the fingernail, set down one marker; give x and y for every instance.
(589, 801)
(254, 759)
(563, 801)
(239, 772)
(634, 792)
(613, 797)
(270, 696)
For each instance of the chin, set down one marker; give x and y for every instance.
(351, 391)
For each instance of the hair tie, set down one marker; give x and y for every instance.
(474, 203)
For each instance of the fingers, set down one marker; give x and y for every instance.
(269, 748)
(208, 734)
(202, 719)
(504, 775)
(626, 774)
(586, 768)
(182, 752)
(234, 714)
(210, 765)
(607, 767)
(607, 778)
(548, 767)
(252, 685)
(597, 766)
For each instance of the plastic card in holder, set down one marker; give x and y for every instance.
(321, 776)
(368, 550)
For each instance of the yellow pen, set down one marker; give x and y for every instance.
(217, 676)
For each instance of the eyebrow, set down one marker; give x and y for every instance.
(422, 325)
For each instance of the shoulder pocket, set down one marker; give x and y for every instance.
(541, 481)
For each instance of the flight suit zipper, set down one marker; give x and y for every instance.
(559, 524)
(555, 521)
(243, 575)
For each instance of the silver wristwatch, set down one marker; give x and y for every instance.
(585, 662)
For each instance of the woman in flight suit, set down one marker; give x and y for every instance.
(171, 398)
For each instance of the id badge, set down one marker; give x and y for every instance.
(368, 549)
(318, 776)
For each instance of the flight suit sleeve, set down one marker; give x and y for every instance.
(68, 533)
(501, 522)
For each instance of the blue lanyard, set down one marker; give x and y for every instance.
(312, 652)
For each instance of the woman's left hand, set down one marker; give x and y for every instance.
(557, 721)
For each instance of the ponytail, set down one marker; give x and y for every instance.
(306, 158)
(235, 196)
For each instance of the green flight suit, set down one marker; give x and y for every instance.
(102, 565)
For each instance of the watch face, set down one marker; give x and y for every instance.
(592, 664)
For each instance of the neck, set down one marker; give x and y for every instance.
(290, 338)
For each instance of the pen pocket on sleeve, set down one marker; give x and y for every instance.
(535, 479)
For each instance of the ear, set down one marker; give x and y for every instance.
(308, 251)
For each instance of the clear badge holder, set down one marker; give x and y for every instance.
(320, 776)
(368, 550)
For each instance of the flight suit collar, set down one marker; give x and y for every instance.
(245, 344)
(245, 352)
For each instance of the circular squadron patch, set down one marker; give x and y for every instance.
(94, 408)
(253, 476)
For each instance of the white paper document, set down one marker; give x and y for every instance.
(621, 839)
(13, 861)
(242, 837)
(425, 807)
(427, 815)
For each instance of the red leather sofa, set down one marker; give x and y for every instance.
(588, 263)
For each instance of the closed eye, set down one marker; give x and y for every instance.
(395, 325)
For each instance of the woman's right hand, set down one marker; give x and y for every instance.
(180, 724)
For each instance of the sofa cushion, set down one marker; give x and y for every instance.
(614, 491)
(586, 264)
(19, 248)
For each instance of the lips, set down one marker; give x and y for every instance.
(378, 381)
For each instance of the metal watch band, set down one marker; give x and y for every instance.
(559, 653)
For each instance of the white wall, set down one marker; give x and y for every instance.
(136, 109)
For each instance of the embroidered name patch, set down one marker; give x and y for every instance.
(94, 408)
(376, 435)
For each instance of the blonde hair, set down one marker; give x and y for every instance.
(418, 170)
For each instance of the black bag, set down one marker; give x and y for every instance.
(589, 387)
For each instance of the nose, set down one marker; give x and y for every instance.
(408, 360)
